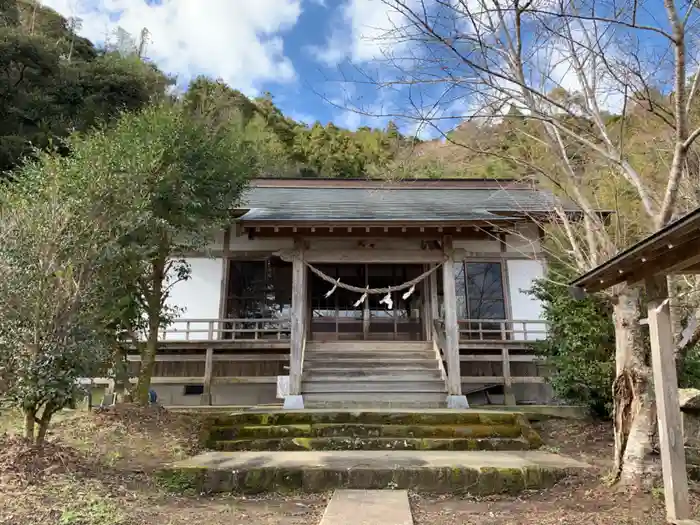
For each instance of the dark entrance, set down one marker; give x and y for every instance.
(336, 317)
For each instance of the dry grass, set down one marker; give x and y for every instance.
(95, 469)
(582, 499)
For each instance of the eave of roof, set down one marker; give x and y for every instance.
(659, 253)
(291, 203)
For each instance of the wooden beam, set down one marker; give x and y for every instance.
(451, 325)
(687, 264)
(664, 261)
(667, 405)
(368, 255)
(298, 322)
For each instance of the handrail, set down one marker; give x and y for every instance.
(438, 345)
(498, 330)
(185, 329)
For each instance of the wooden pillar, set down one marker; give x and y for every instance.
(509, 397)
(454, 376)
(208, 373)
(434, 305)
(298, 325)
(667, 404)
(223, 294)
(425, 311)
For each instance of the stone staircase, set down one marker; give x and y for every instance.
(432, 451)
(376, 374)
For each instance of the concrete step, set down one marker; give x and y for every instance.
(476, 472)
(417, 387)
(368, 507)
(369, 443)
(367, 417)
(381, 405)
(372, 375)
(359, 430)
(368, 364)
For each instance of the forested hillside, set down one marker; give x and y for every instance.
(55, 82)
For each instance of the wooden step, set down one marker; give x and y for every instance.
(376, 371)
(367, 364)
(417, 387)
(344, 374)
(369, 345)
(370, 355)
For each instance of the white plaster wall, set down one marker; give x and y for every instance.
(525, 241)
(198, 296)
(521, 274)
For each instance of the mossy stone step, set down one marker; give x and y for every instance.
(363, 430)
(364, 443)
(474, 472)
(308, 417)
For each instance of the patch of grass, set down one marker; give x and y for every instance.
(184, 482)
(93, 511)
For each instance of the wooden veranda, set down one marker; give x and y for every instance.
(673, 250)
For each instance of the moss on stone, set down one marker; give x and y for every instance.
(456, 480)
(528, 433)
(181, 481)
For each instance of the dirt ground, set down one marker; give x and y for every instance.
(96, 468)
(582, 499)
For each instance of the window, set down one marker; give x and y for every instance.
(194, 390)
(479, 290)
(259, 289)
(484, 291)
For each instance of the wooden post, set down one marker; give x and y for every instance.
(434, 305)
(208, 372)
(454, 377)
(667, 404)
(425, 311)
(509, 397)
(298, 324)
(223, 294)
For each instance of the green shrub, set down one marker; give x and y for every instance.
(580, 347)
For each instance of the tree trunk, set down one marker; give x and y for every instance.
(29, 423)
(48, 412)
(633, 399)
(148, 361)
(150, 349)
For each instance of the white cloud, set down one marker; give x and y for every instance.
(239, 41)
(365, 30)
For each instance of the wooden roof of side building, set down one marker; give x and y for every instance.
(675, 249)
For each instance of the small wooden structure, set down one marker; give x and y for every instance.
(673, 250)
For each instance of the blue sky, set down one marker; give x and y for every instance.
(291, 48)
(300, 49)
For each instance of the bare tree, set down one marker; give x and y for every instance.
(561, 68)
